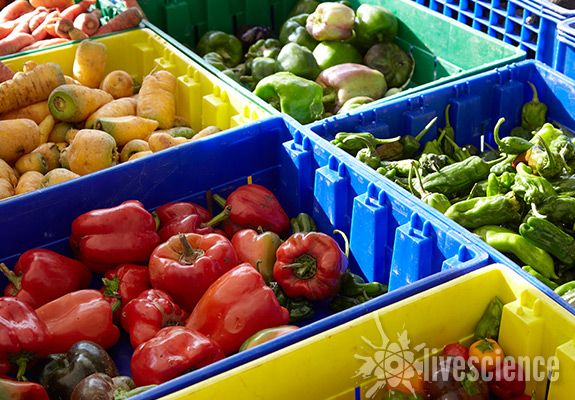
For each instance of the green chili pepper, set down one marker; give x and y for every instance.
(543, 161)
(353, 142)
(510, 144)
(531, 188)
(548, 133)
(402, 167)
(439, 201)
(431, 162)
(488, 325)
(368, 155)
(353, 285)
(299, 309)
(493, 188)
(459, 176)
(546, 281)
(507, 241)
(521, 132)
(565, 288)
(303, 223)
(480, 211)
(533, 113)
(505, 165)
(565, 185)
(506, 181)
(550, 238)
(479, 189)
(390, 174)
(448, 133)
(558, 209)
(564, 147)
(411, 144)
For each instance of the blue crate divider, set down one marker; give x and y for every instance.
(476, 104)
(393, 239)
(565, 58)
(530, 25)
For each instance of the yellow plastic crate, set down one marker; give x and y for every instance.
(201, 97)
(330, 365)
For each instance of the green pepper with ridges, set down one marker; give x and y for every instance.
(298, 60)
(226, 45)
(488, 325)
(564, 147)
(548, 133)
(558, 209)
(505, 165)
(431, 162)
(303, 223)
(507, 241)
(293, 31)
(269, 48)
(565, 185)
(549, 237)
(439, 201)
(303, 7)
(546, 281)
(531, 188)
(543, 161)
(480, 211)
(533, 113)
(510, 144)
(353, 142)
(215, 60)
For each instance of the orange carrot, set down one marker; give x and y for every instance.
(14, 42)
(23, 22)
(15, 10)
(59, 4)
(5, 72)
(72, 12)
(65, 29)
(87, 23)
(37, 20)
(41, 32)
(40, 44)
(126, 19)
(6, 28)
(3, 3)
(135, 4)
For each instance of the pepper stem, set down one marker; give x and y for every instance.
(550, 157)
(304, 267)
(221, 217)
(421, 134)
(189, 254)
(11, 276)
(447, 121)
(219, 200)
(121, 395)
(496, 132)
(22, 363)
(535, 98)
(345, 240)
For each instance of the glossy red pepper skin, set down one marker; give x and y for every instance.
(179, 210)
(185, 274)
(254, 206)
(174, 351)
(310, 265)
(41, 276)
(21, 331)
(182, 218)
(238, 305)
(81, 315)
(14, 390)
(258, 249)
(108, 237)
(123, 284)
(147, 314)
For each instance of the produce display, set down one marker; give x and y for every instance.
(171, 279)
(327, 59)
(37, 24)
(516, 196)
(55, 128)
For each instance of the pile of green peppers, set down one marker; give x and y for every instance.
(518, 197)
(326, 59)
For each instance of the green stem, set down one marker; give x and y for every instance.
(535, 94)
(496, 131)
(189, 254)
(221, 217)
(550, 157)
(11, 276)
(219, 200)
(22, 364)
(421, 134)
(124, 395)
(447, 121)
(345, 240)
(304, 267)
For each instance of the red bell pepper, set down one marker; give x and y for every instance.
(174, 351)
(108, 237)
(235, 307)
(14, 390)
(310, 265)
(258, 249)
(148, 313)
(192, 224)
(81, 315)
(41, 276)
(123, 284)
(179, 210)
(22, 335)
(253, 206)
(186, 265)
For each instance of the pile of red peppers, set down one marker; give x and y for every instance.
(188, 287)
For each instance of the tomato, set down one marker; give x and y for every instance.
(486, 354)
(456, 350)
(508, 380)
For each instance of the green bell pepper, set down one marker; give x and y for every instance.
(375, 24)
(293, 31)
(395, 64)
(227, 46)
(303, 223)
(298, 60)
(303, 7)
(262, 67)
(298, 97)
(480, 211)
(328, 54)
(354, 103)
(215, 60)
(264, 48)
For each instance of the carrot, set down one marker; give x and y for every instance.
(135, 4)
(6, 28)
(36, 20)
(59, 4)
(65, 29)
(30, 87)
(72, 12)
(15, 10)
(41, 32)
(5, 72)
(14, 42)
(88, 23)
(126, 19)
(40, 44)
(23, 23)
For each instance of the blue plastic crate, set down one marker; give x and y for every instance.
(476, 105)
(393, 239)
(530, 25)
(565, 58)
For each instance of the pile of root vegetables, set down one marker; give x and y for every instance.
(35, 24)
